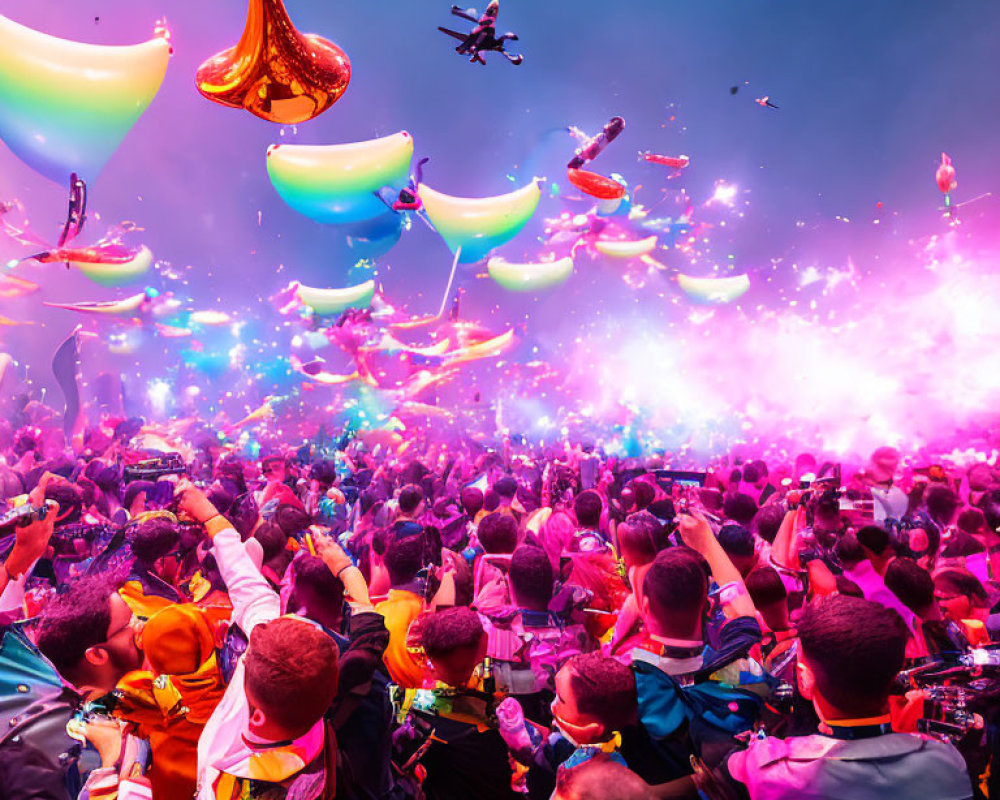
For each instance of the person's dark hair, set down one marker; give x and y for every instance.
(465, 583)
(498, 533)
(603, 688)
(491, 501)
(874, 538)
(312, 576)
(643, 494)
(911, 583)
(767, 521)
(74, 622)
(761, 468)
(676, 586)
(404, 558)
(855, 649)
(941, 503)
(410, 497)
(750, 474)
(272, 538)
(848, 550)
(971, 520)
(450, 629)
(962, 544)
(740, 508)
(960, 581)
(601, 778)
(531, 577)
(324, 471)
(472, 500)
(290, 519)
(642, 535)
(736, 540)
(765, 587)
(506, 487)
(153, 539)
(291, 672)
(588, 506)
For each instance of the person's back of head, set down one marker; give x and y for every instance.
(70, 500)
(848, 588)
(498, 533)
(848, 550)
(588, 506)
(738, 544)
(942, 504)
(454, 642)
(640, 538)
(971, 521)
(912, 584)
(272, 538)
(316, 592)
(643, 494)
(491, 501)
(595, 698)
(404, 558)
(675, 593)
(769, 595)
(531, 578)
(472, 500)
(152, 540)
(767, 521)
(874, 540)
(740, 508)
(291, 677)
(601, 778)
(290, 519)
(506, 488)
(410, 498)
(852, 651)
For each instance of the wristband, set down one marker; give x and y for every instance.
(338, 573)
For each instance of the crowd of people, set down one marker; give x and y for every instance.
(409, 619)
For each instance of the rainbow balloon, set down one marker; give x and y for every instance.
(478, 225)
(714, 290)
(66, 106)
(530, 277)
(336, 301)
(624, 249)
(337, 183)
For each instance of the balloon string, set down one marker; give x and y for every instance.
(451, 279)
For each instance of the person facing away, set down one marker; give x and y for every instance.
(851, 651)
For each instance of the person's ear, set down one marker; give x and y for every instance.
(97, 656)
(806, 680)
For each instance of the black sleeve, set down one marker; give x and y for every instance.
(368, 640)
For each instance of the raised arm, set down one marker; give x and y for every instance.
(697, 534)
(254, 601)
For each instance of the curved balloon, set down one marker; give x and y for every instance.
(336, 301)
(66, 106)
(116, 308)
(714, 290)
(275, 72)
(337, 183)
(530, 277)
(375, 237)
(109, 264)
(676, 162)
(478, 225)
(594, 185)
(629, 248)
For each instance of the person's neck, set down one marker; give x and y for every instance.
(832, 715)
(330, 620)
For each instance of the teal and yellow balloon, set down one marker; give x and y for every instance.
(473, 226)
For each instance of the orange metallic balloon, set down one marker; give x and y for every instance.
(275, 72)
